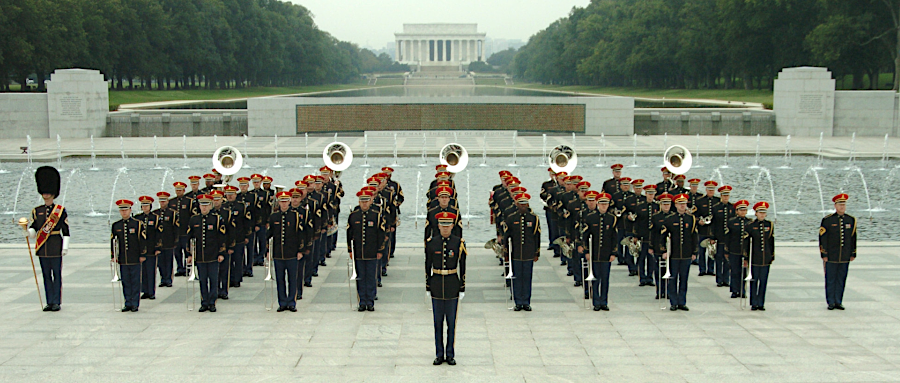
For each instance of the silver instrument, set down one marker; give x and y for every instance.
(227, 160)
(587, 261)
(563, 158)
(493, 245)
(115, 271)
(668, 274)
(190, 287)
(634, 246)
(678, 159)
(710, 245)
(455, 157)
(351, 273)
(267, 281)
(337, 156)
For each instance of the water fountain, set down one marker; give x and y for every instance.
(184, 151)
(365, 150)
(245, 153)
(862, 178)
(716, 173)
(277, 165)
(787, 153)
(573, 140)
(887, 192)
(424, 147)
(601, 157)
(306, 149)
(93, 155)
(884, 155)
(484, 151)
(113, 197)
(756, 158)
(216, 141)
(122, 150)
(819, 156)
(772, 210)
(633, 151)
(27, 172)
(800, 191)
(852, 151)
(395, 164)
(543, 149)
(155, 155)
(696, 154)
(2, 170)
(725, 165)
(58, 154)
(28, 148)
(665, 145)
(514, 144)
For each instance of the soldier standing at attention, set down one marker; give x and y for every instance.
(128, 246)
(185, 206)
(598, 235)
(762, 254)
(837, 245)
(286, 232)
(522, 231)
(208, 230)
(148, 264)
(365, 244)
(167, 226)
(445, 280)
(681, 230)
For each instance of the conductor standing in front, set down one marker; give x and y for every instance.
(445, 276)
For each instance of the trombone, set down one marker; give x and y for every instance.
(114, 269)
(668, 275)
(587, 261)
(509, 277)
(351, 273)
(270, 296)
(744, 283)
(190, 287)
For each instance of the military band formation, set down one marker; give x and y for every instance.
(218, 233)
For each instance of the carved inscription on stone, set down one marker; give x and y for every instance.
(71, 107)
(812, 104)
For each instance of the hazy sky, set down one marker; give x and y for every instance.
(373, 23)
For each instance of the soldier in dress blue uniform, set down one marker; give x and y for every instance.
(210, 180)
(238, 231)
(397, 191)
(185, 206)
(681, 229)
(248, 198)
(431, 226)
(167, 237)
(522, 236)
(614, 184)
(549, 190)
(722, 212)
(209, 232)
(130, 235)
(195, 187)
(837, 246)
(366, 237)
(258, 217)
(288, 234)
(300, 205)
(666, 185)
(568, 209)
(737, 247)
(762, 254)
(644, 208)
(619, 203)
(445, 280)
(50, 230)
(598, 236)
(148, 265)
(658, 241)
(679, 188)
(703, 210)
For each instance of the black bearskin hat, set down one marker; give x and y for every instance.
(47, 178)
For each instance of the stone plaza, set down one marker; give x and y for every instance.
(795, 340)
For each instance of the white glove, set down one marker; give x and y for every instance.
(428, 294)
(462, 295)
(65, 249)
(31, 233)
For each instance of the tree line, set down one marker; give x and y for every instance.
(713, 43)
(177, 44)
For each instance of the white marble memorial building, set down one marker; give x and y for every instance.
(439, 44)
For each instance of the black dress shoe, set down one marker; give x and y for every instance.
(134, 309)
(379, 284)
(701, 274)
(451, 361)
(126, 309)
(596, 308)
(179, 274)
(632, 273)
(280, 309)
(161, 284)
(152, 297)
(361, 308)
(376, 298)
(578, 283)
(322, 264)
(392, 256)
(292, 309)
(144, 296)
(673, 308)
(518, 308)
(650, 284)
(203, 309)
(642, 284)
(569, 274)
(383, 273)
(726, 284)
(830, 307)
(657, 296)
(47, 308)
(719, 285)
(683, 308)
(604, 307)
(735, 295)
(212, 308)
(307, 284)
(761, 308)
(438, 361)
(223, 296)
(711, 274)
(327, 255)
(562, 263)
(315, 274)
(169, 284)
(839, 306)
(370, 308)
(237, 284)
(753, 308)
(527, 308)
(55, 307)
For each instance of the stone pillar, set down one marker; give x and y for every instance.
(804, 101)
(442, 49)
(77, 103)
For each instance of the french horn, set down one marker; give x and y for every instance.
(455, 157)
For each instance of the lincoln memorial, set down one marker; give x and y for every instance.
(439, 44)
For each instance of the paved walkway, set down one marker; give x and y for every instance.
(795, 340)
(411, 144)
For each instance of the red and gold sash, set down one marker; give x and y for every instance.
(49, 224)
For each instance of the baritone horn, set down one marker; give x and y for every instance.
(455, 157)
(227, 160)
(678, 159)
(337, 156)
(563, 159)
